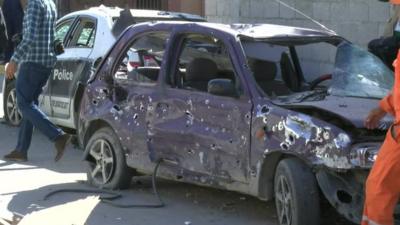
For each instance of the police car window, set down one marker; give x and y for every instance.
(86, 35)
(141, 62)
(62, 29)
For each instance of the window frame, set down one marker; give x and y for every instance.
(127, 47)
(70, 31)
(171, 77)
(78, 28)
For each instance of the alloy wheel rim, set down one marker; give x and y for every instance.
(103, 168)
(13, 113)
(284, 201)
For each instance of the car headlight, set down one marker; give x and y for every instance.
(364, 155)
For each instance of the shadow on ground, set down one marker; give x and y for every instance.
(185, 203)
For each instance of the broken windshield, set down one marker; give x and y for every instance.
(358, 73)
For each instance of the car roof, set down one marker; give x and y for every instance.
(269, 32)
(114, 12)
(261, 31)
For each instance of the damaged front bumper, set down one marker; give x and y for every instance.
(344, 191)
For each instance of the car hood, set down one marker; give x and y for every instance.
(352, 109)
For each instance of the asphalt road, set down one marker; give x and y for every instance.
(24, 185)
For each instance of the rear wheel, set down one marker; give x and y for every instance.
(296, 194)
(107, 164)
(11, 112)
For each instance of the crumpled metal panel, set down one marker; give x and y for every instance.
(279, 130)
(351, 109)
(343, 192)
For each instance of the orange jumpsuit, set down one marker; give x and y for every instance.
(383, 183)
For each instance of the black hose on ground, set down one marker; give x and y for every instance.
(112, 195)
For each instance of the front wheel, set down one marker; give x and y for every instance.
(11, 112)
(107, 164)
(296, 194)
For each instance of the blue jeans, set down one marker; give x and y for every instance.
(30, 81)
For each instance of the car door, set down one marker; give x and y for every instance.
(203, 133)
(134, 81)
(63, 31)
(70, 66)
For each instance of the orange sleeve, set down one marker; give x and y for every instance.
(387, 104)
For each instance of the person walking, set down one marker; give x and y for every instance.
(35, 58)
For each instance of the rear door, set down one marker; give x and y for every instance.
(71, 65)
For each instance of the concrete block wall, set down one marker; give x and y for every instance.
(357, 20)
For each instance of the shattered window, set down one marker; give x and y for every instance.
(204, 59)
(62, 29)
(358, 73)
(140, 63)
(86, 35)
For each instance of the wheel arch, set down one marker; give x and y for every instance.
(92, 127)
(267, 172)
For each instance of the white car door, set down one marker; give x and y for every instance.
(64, 30)
(70, 67)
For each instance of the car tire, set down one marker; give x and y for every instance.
(11, 113)
(108, 168)
(296, 194)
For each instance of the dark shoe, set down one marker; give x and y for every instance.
(61, 144)
(16, 156)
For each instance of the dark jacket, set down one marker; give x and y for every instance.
(13, 16)
(3, 38)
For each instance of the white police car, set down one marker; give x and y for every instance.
(87, 35)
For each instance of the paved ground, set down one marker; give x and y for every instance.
(23, 186)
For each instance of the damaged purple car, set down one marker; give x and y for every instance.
(271, 111)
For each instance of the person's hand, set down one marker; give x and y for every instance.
(11, 69)
(374, 117)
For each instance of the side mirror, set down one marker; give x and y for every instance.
(97, 62)
(222, 87)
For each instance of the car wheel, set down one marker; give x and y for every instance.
(296, 194)
(108, 168)
(11, 112)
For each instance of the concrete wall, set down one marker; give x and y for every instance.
(357, 20)
(188, 6)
